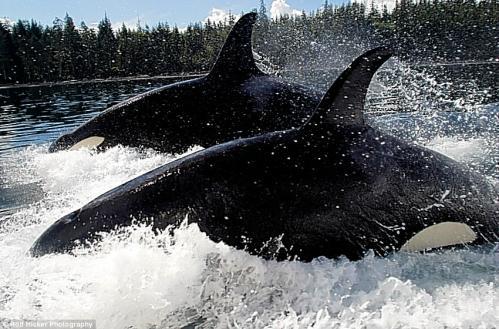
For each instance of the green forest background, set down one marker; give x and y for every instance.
(421, 32)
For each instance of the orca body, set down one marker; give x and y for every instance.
(334, 186)
(234, 100)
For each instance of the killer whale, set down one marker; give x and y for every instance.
(333, 186)
(236, 99)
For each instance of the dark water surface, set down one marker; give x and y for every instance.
(35, 115)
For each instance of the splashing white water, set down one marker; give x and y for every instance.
(414, 89)
(136, 279)
(460, 150)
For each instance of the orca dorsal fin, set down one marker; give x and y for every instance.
(343, 103)
(236, 57)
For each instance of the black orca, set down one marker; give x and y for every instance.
(232, 101)
(334, 186)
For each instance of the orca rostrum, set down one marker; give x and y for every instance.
(333, 186)
(236, 99)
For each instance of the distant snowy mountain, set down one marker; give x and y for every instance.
(379, 4)
(6, 21)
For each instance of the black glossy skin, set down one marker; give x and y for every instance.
(199, 112)
(334, 186)
(326, 196)
(234, 100)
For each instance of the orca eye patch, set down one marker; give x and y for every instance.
(440, 235)
(90, 143)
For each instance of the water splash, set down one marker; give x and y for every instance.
(401, 87)
(136, 279)
(397, 87)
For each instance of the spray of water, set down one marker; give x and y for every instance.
(135, 278)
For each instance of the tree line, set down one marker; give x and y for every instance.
(421, 31)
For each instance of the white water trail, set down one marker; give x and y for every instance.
(136, 279)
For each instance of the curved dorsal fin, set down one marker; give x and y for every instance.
(343, 103)
(236, 57)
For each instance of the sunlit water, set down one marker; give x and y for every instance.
(136, 279)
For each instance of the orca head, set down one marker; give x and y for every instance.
(171, 114)
(141, 121)
(52, 240)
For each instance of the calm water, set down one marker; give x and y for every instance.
(35, 115)
(135, 279)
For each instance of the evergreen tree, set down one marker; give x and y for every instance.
(422, 30)
(88, 51)
(73, 51)
(124, 56)
(58, 52)
(11, 70)
(106, 50)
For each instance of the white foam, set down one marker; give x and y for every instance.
(464, 150)
(137, 279)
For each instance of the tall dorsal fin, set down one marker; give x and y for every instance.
(343, 103)
(236, 57)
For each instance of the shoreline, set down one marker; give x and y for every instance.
(109, 80)
(194, 75)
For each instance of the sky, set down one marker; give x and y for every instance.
(175, 12)
(129, 12)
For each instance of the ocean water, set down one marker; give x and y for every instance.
(134, 278)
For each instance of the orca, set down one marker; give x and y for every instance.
(332, 187)
(236, 99)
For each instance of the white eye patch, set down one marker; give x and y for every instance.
(440, 235)
(90, 143)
